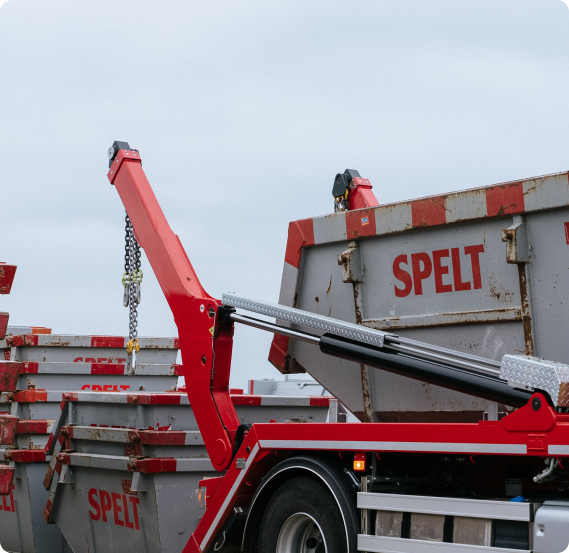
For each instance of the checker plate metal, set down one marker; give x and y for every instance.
(532, 372)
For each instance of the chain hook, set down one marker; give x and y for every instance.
(131, 280)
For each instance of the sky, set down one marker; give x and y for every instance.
(243, 113)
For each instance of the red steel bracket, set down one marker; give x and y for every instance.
(9, 374)
(361, 194)
(6, 479)
(8, 426)
(7, 273)
(3, 324)
(205, 342)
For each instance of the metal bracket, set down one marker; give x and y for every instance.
(139, 483)
(351, 263)
(516, 239)
(66, 476)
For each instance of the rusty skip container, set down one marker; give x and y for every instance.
(97, 363)
(103, 377)
(26, 436)
(135, 488)
(477, 271)
(49, 348)
(22, 527)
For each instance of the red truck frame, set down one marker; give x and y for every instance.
(256, 461)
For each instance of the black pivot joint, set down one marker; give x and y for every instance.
(114, 150)
(341, 189)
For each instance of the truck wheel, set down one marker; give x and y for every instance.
(302, 517)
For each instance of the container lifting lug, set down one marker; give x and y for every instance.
(351, 263)
(517, 245)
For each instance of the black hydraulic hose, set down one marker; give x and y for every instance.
(478, 385)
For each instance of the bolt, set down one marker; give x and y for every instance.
(202, 308)
(204, 359)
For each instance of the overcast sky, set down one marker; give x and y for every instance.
(243, 112)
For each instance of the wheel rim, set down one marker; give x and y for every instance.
(301, 534)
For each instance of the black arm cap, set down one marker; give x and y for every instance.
(114, 150)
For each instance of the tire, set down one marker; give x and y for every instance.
(302, 517)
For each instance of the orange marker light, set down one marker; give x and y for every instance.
(359, 461)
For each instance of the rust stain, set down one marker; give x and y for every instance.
(329, 285)
(359, 318)
(368, 411)
(498, 292)
(502, 211)
(526, 314)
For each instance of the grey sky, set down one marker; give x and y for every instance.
(243, 113)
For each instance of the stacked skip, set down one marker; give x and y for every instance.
(7, 273)
(35, 371)
(130, 471)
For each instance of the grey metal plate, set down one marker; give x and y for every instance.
(505, 510)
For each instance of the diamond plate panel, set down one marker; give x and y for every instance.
(539, 374)
(308, 320)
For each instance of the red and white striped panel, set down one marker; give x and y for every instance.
(510, 198)
(146, 466)
(76, 341)
(33, 367)
(176, 398)
(133, 436)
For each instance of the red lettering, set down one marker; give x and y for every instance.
(90, 360)
(474, 252)
(457, 272)
(117, 509)
(402, 276)
(127, 522)
(440, 270)
(8, 507)
(86, 387)
(124, 388)
(420, 274)
(78, 360)
(97, 388)
(94, 504)
(102, 360)
(134, 501)
(120, 360)
(105, 503)
(107, 387)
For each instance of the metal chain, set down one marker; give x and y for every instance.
(132, 278)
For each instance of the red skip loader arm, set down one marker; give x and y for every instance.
(205, 341)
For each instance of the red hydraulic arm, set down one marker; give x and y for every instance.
(206, 336)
